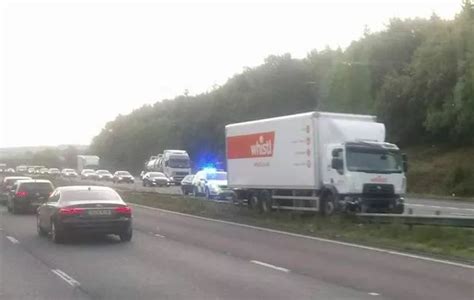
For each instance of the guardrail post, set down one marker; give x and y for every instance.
(438, 212)
(410, 211)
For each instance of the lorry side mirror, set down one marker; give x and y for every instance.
(337, 164)
(335, 152)
(405, 162)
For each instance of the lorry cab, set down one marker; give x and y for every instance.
(175, 164)
(366, 175)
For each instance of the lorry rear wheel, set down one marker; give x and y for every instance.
(266, 202)
(328, 204)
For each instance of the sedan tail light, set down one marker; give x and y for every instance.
(21, 194)
(70, 211)
(124, 210)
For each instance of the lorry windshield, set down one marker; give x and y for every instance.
(178, 163)
(373, 160)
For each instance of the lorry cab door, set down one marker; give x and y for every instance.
(334, 167)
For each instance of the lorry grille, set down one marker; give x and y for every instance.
(378, 190)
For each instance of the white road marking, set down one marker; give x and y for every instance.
(159, 235)
(270, 266)
(13, 240)
(71, 281)
(374, 294)
(386, 251)
(440, 207)
(462, 215)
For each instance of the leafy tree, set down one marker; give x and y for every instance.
(416, 75)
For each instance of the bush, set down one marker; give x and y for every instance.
(460, 181)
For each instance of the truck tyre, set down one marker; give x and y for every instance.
(328, 204)
(399, 209)
(265, 202)
(253, 202)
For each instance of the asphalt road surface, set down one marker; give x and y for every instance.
(173, 256)
(420, 206)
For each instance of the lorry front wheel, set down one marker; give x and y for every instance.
(399, 209)
(328, 204)
(253, 202)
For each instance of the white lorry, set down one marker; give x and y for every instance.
(316, 161)
(87, 162)
(175, 164)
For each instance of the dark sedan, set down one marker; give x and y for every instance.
(86, 210)
(187, 185)
(27, 195)
(123, 176)
(155, 179)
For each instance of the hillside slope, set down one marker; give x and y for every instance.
(441, 170)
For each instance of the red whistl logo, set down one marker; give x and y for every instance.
(378, 179)
(251, 145)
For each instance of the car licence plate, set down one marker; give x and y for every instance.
(100, 212)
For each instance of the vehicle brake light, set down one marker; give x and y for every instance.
(70, 211)
(21, 194)
(124, 210)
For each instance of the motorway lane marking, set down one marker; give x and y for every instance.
(440, 207)
(13, 240)
(71, 281)
(374, 294)
(270, 266)
(159, 235)
(386, 251)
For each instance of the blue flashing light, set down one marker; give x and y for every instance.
(210, 169)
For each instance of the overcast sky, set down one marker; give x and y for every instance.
(68, 67)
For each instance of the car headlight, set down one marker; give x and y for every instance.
(120, 178)
(214, 187)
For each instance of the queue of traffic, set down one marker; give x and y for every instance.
(315, 161)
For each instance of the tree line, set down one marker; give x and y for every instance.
(416, 75)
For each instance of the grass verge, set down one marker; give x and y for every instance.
(451, 243)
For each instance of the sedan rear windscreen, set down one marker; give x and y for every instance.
(36, 187)
(85, 195)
